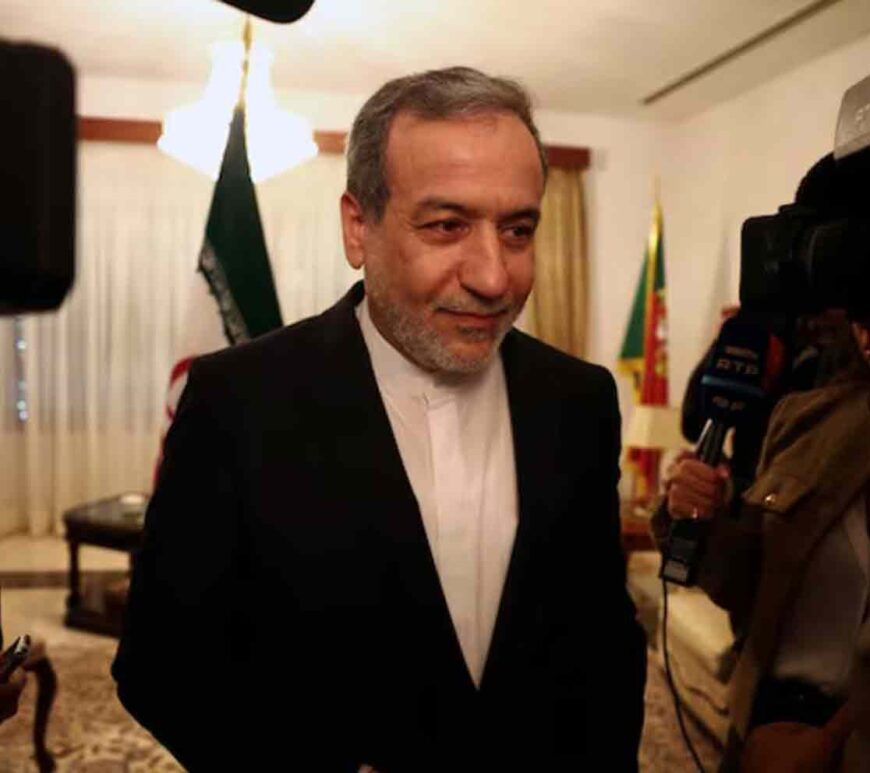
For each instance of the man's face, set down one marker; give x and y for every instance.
(451, 263)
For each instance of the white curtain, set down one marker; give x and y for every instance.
(96, 371)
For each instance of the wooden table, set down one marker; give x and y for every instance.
(115, 523)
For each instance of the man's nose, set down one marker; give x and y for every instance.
(483, 270)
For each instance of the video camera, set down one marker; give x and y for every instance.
(814, 254)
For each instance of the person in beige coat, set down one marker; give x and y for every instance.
(794, 570)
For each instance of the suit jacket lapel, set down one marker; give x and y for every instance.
(533, 434)
(375, 478)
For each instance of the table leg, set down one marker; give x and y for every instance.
(74, 599)
(46, 688)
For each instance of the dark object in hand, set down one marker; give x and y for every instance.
(14, 657)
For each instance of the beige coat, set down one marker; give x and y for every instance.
(815, 462)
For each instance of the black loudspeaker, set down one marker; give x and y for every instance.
(281, 11)
(37, 178)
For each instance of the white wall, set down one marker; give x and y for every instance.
(742, 158)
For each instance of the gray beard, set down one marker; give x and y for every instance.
(421, 343)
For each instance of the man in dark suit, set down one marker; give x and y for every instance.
(387, 536)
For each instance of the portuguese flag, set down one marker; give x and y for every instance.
(644, 354)
(232, 298)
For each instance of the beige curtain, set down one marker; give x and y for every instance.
(557, 308)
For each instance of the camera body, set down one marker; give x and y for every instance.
(803, 261)
(814, 254)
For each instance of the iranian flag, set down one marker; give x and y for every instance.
(644, 354)
(232, 298)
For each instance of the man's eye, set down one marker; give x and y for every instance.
(445, 226)
(521, 232)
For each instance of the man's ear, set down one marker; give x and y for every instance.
(354, 228)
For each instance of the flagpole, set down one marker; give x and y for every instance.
(247, 40)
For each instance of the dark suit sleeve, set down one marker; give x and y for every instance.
(615, 643)
(180, 666)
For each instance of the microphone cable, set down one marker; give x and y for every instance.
(678, 707)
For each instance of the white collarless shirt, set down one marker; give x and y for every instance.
(454, 436)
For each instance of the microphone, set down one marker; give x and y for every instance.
(281, 11)
(741, 372)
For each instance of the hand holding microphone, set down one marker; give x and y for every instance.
(745, 362)
(696, 490)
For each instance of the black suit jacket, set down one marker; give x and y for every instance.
(285, 611)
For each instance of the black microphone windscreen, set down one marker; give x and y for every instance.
(281, 11)
(37, 176)
(739, 374)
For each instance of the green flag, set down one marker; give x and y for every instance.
(644, 348)
(233, 298)
(233, 258)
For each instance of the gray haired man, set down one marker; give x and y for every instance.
(387, 536)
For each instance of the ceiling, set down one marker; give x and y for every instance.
(575, 55)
